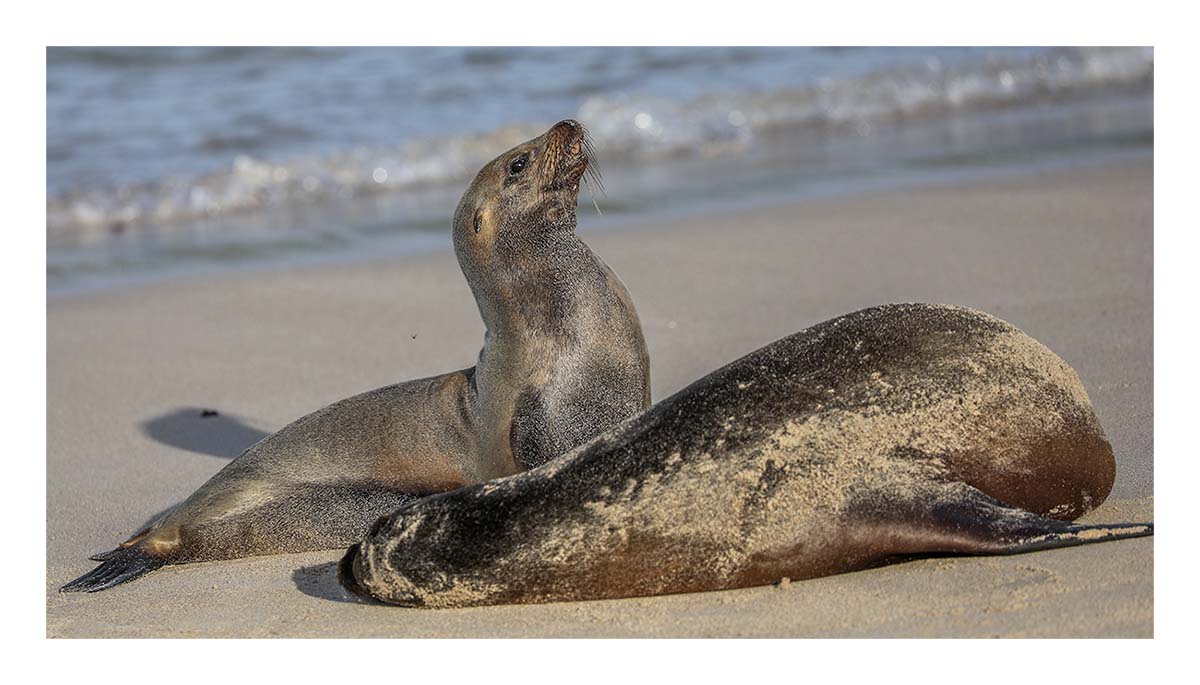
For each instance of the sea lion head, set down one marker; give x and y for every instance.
(522, 196)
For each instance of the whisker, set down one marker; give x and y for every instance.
(593, 168)
(592, 195)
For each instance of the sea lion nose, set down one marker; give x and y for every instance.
(567, 126)
(569, 132)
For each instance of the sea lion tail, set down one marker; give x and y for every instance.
(121, 565)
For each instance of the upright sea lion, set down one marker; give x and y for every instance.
(563, 359)
(892, 431)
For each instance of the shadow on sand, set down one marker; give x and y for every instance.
(205, 431)
(320, 580)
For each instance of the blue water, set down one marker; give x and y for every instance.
(160, 160)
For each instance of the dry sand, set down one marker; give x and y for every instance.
(1066, 256)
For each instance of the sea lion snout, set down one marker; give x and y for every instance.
(569, 135)
(568, 154)
(572, 133)
(567, 127)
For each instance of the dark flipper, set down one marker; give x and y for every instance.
(141, 532)
(970, 522)
(121, 565)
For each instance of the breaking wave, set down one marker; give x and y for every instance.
(628, 127)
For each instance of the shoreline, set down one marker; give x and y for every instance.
(1065, 255)
(301, 249)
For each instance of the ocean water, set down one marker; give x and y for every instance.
(163, 161)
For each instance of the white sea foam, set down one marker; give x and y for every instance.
(628, 125)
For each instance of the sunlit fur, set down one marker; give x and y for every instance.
(563, 359)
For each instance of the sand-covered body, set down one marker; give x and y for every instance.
(895, 430)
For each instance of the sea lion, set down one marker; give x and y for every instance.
(892, 431)
(563, 359)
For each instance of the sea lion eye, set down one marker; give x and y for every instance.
(518, 164)
(478, 220)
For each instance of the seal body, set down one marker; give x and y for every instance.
(892, 431)
(563, 359)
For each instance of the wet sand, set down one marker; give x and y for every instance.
(1066, 256)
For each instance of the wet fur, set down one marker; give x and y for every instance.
(563, 359)
(894, 431)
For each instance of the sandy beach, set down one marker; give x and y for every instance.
(1065, 255)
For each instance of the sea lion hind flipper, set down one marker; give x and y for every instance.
(967, 521)
(133, 539)
(138, 535)
(1076, 535)
(121, 565)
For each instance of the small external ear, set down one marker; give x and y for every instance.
(483, 219)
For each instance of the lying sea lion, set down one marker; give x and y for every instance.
(896, 430)
(563, 359)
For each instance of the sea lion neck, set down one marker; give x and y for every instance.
(531, 285)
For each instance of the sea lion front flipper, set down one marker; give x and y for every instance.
(966, 521)
(121, 565)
